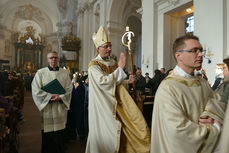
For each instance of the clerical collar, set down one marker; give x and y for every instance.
(53, 69)
(181, 72)
(108, 58)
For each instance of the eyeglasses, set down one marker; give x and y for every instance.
(53, 57)
(106, 46)
(194, 51)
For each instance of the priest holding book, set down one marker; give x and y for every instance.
(51, 91)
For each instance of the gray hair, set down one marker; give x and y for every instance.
(52, 52)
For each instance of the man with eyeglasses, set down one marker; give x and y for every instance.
(187, 115)
(52, 106)
(115, 122)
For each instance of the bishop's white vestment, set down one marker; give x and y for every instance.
(115, 122)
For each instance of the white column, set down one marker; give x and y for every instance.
(115, 34)
(208, 20)
(91, 47)
(227, 27)
(80, 35)
(85, 40)
(148, 38)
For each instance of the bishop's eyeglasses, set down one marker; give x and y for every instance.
(194, 51)
(106, 46)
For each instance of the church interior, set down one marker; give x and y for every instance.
(29, 29)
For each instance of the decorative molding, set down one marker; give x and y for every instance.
(29, 12)
(160, 2)
(114, 27)
(173, 2)
(135, 3)
(86, 6)
(62, 5)
(139, 11)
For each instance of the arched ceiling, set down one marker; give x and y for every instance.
(43, 12)
(126, 9)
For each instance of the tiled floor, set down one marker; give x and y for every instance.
(30, 132)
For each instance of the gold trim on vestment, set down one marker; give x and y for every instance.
(194, 82)
(205, 140)
(118, 139)
(214, 114)
(113, 95)
(135, 134)
(106, 69)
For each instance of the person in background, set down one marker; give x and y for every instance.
(140, 81)
(86, 126)
(28, 80)
(75, 119)
(155, 81)
(140, 85)
(147, 78)
(53, 107)
(219, 76)
(188, 115)
(223, 88)
(163, 72)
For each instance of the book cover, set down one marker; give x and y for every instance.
(54, 87)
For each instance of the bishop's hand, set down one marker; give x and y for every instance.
(122, 61)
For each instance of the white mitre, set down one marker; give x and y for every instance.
(101, 37)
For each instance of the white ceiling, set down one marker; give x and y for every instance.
(44, 13)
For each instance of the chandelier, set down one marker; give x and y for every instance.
(70, 42)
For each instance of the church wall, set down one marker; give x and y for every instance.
(52, 45)
(226, 27)
(159, 30)
(148, 37)
(80, 33)
(2, 44)
(209, 27)
(6, 47)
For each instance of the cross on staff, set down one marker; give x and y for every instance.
(126, 41)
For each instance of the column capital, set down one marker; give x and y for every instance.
(139, 11)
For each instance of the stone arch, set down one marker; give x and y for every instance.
(48, 24)
(121, 14)
(116, 10)
(96, 16)
(46, 19)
